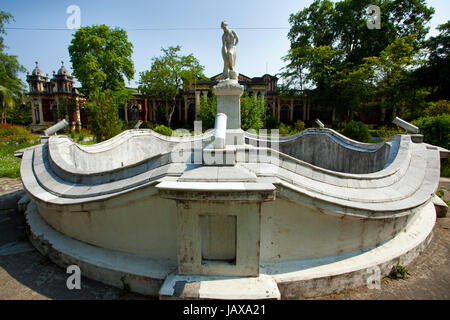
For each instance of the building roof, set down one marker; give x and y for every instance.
(37, 71)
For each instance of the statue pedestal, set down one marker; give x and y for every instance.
(228, 94)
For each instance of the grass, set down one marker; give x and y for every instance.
(9, 164)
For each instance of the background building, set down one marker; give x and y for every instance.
(47, 96)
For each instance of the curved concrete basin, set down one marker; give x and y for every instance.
(320, 199)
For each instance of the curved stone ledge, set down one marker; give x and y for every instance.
(116, 154)
(328, 149)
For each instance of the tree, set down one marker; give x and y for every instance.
(6, 99)
(435, 74)
(5, 17)
(208, 111)
(104, 120)
(11, 86)
(390, 72)
(252, 112)
(168, 74)
(329, 42)
(101, 58)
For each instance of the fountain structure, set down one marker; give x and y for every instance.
(228, 214)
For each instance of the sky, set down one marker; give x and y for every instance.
(193, 24)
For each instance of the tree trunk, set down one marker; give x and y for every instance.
(172, 110)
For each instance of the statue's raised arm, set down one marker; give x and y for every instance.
(229, 42)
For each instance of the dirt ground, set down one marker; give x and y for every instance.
(26, 275)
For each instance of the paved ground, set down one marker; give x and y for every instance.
(25, 274)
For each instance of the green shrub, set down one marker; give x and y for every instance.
(438, 108)
(435, 130)
(285, 129)
(8, 130)
(252, 112)
(357, 130)
(387, 133)
(299, 126)
(104, 121)
(271, 123)
(147, 125)
(399, 272)
(162, 129)
(207, 111)
(445, 168)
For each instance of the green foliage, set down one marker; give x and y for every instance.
(329, 44)
(168, 74)
(13, 138)
(435, 73)
(438, 108)
(11, 86)
(208, 111)
(387, 132)
(356, 130)
(5, 17)
(101, 58)
(162, 129)
(299, 126)
(399, 272)
(271, 123)
(102, 113)
(252, 112)
(445, 167)
(435, 130)
(20, 114)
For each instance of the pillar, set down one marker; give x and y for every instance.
(186, 106)
(197, 104)
(291, 111)
(41, 113)
(33, 115)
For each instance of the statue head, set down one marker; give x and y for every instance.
(224, 25)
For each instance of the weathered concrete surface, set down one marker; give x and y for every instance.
(429, 275)
(11, 190)
(41, 279)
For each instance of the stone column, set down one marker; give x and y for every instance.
(41, 113)
(278, 108)
(33, 115)
(125, 109)
(291, 111)
(274, 102)
(197, 103)
(179, 110)
(186, 106)
(228, 102)
(304, 109)
(309, 109)
(78, 117)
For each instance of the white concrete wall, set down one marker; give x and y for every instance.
(291, 231)
(131, 223)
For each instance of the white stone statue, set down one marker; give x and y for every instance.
(229, 42)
